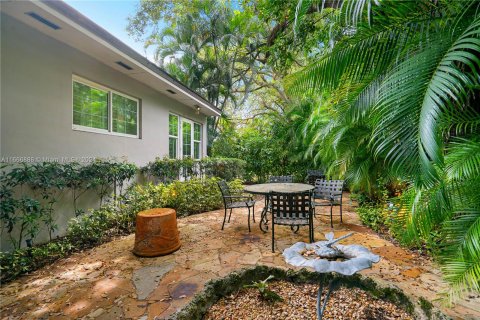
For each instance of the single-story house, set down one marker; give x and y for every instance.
(72, 91)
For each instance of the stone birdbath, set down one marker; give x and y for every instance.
(328, 256)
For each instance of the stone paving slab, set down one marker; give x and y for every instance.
(109, 282)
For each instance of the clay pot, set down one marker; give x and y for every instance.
(156, 233)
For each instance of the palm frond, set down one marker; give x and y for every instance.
(369, 53)
(463, 158)
(462, 273)
(411, 119)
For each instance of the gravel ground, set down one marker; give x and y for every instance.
(300, 303)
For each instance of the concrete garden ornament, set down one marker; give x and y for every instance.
(322, 255)
(328, 256)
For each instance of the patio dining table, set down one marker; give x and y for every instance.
(265, 189)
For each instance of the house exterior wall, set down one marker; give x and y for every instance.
(36, 103)
(36, 111)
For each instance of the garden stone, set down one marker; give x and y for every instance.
(146, 279)
(96, 313)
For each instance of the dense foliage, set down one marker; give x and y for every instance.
(401, 87)
(115, 219)
(167, 170)
(268, 145)
(205, 44)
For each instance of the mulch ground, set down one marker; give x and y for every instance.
(299, 302)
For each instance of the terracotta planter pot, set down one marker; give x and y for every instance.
(156, 232)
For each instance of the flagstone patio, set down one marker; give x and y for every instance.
(109, 282)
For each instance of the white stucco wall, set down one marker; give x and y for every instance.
(36, 102)
(36, 110)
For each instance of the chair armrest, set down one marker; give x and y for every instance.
(334, 195)
(239, 197)
(322, 195)
(240, 193)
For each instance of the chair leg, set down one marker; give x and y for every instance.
(311, 223)
(311, 230)
(229, 216)
(253, 213)
(273, 236)
(331, 216)
(313, 234)
(224, 218)
(341, 220)
(249, 219)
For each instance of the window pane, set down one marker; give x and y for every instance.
(187, 139)
(196, 150)
(172, 148)
(90, 106)
(196, 132)
(173, 125)
(124, 115)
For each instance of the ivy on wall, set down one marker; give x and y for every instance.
(28, 192)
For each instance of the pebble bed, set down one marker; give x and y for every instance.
(300, 303)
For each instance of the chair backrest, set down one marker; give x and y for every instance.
(291, 206)
(277, 179)
(225, 190)
(313, 175)
(315, 172)
(328, 188)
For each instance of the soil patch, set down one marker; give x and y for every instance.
(299, 302)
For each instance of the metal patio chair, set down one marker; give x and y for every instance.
(292, 209)
(314, 175)
(232, 201)
(329, 193)
(279, 179)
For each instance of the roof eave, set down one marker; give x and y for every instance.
(134, 57)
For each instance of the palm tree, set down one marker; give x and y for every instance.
(407, 73)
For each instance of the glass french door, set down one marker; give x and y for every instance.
(191, 139)
(186, 138)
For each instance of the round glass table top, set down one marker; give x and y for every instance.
(265, 188)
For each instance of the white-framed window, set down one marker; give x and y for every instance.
(184, 138)
(172, 136)
(100, 109)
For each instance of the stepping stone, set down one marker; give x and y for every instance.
(146, 279)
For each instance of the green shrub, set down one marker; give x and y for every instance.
(168, 170)
(224, 168)
(372, 216)
(13, 264)
(187, 197)
(141, 197)
(21, 261)
(90, 229)
(83, 232)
